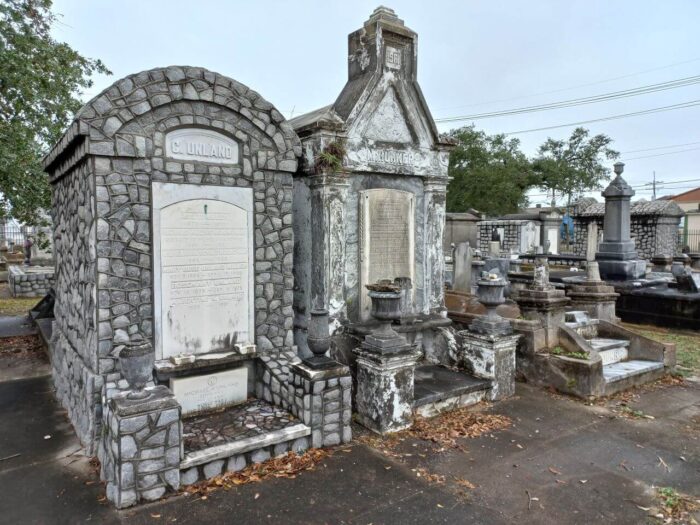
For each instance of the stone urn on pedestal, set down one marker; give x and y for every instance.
(136, 360)
(386, 308)
(491, 293)
(319, 340)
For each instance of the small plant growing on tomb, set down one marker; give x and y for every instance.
(558, 350)
(330, 159)
(383, 285)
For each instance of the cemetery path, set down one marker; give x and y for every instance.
(568, 461)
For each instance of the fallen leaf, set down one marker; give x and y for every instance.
(440, 506)
(47, 436)
(554, 471)
(155, 515)
(583, 481)
(257, 495)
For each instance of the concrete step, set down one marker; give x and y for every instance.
(610, 350)
(251, 432)
(626, 374)
(438, 389)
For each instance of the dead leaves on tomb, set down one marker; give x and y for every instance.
(288, 466)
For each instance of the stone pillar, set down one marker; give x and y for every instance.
(434, 191)
(385, 380)
(616, 255)
(328, 220)
(324, 402)
(140, 448)
(540, 301)
(551, 222)
(477, 268)
(489, 344)
(462, 264)
(594, 296)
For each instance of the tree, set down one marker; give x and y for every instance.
(489, 173)
(571, 168)
(40, 81)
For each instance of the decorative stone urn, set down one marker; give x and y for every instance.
(386, 308)
(319, 340)
(491, 293)
(136, 360)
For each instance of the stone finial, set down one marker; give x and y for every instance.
(619, 167)
(618, 187)
(385, 14)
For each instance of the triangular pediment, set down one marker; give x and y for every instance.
(387, 123)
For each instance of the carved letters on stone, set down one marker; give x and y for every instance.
(201, 145)
(387, 238)
(203, 261)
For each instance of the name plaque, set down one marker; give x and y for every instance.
(211, 391)
(202, 145)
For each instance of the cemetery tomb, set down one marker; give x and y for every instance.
(172, 209)
(379, 213)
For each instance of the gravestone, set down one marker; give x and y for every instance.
(462, 268)
(203, 264)
(387, 238)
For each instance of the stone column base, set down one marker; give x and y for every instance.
(324, 401)
(596, 298)
(140, 448)
(492, 357)
(611, 270)
(384, 398)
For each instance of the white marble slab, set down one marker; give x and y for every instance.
(619, 371)
(387, 246)
(203, 268)
(210, 391)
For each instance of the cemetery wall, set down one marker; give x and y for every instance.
(510, 238)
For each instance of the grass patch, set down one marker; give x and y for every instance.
(558, 350)
(15, 306)
(687, 345)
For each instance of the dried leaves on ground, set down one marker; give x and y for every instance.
(22, 347)
(287, 466)
(443, 430)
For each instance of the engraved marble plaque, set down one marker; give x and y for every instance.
(203, 260)
(387, 226)
(202, 145)
(210, 391)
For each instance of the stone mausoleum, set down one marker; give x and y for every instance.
(172, 208)
(382, 215)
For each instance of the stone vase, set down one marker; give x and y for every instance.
(386, 308)
(318, 339)
(136, 360)
(491, 294)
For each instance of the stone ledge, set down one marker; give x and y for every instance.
(226, 450)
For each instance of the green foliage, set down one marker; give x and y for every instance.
(40, 80)
(670, 497)
(330, 160)
(489, 173)
(571, 168)
(558, 350)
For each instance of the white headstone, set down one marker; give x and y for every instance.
(210, 391)
(462, 265)
(203, 261)
(387, 221)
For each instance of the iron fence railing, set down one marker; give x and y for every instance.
(12, 235)
(689, 239)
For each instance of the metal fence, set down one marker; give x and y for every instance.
(12, 235)
(689, 238)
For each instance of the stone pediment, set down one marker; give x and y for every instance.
(387, 122)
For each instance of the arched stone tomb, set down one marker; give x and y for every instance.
(172, 209)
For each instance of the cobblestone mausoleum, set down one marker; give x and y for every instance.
(172, 208)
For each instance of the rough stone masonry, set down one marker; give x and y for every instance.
(101, 173)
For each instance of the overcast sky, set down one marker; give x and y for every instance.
(473, 57)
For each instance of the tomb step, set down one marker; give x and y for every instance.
(623, 375)
(230, 439)
(438, 389)
(610, 350)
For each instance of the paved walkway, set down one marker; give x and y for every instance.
(11, 326)
(580, 464)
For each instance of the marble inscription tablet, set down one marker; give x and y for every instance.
(210, 391)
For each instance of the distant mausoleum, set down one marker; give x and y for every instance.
(654, 227)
